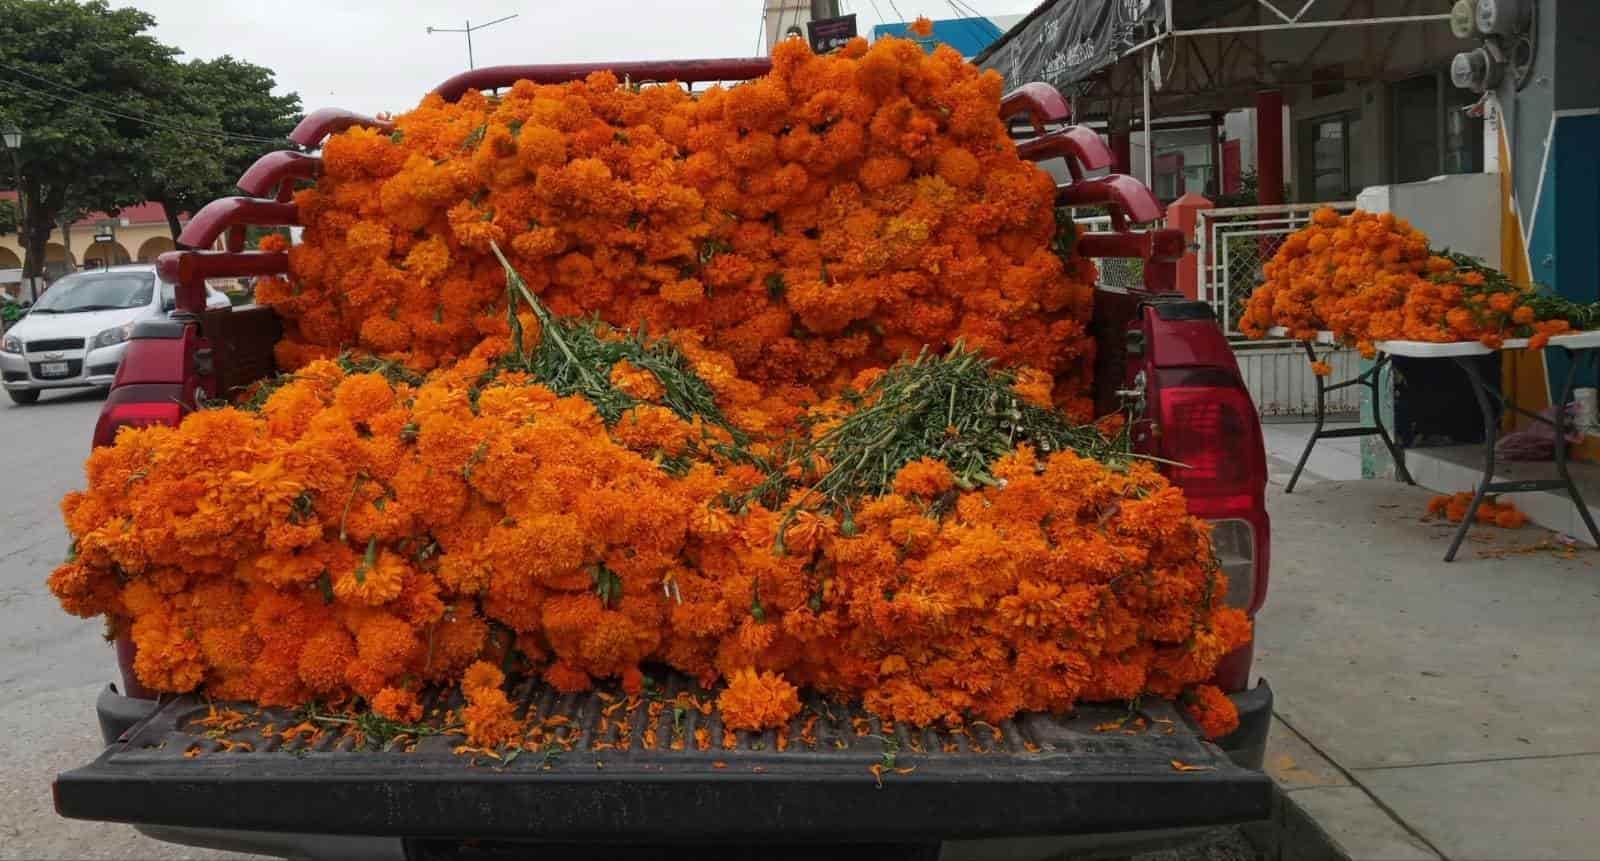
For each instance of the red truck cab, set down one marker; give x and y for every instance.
(1041, 776)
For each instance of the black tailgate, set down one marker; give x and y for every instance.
(1036, 775)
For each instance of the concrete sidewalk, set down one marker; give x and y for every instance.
(1426, 709)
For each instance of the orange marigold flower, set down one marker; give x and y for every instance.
(397, 704)
(924, 477)
(755, 701)
(1211, 711)
(636, 381)
(1321, 369)
(375, 580)
(922, 27)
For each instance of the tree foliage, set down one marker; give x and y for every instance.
(110, 117)
(73, 79)
(235, 118)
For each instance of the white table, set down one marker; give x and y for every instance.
(1368, 378)
(1580, 347)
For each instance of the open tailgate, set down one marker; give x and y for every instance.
(1035, 775)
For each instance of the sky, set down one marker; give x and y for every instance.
(375, 55)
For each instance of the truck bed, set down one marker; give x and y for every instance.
(1038, 774)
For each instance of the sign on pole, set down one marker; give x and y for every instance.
(831, 34)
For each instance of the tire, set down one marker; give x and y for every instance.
(23, 397)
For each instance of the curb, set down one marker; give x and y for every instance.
(1321, 813)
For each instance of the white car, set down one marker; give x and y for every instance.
(75, 335)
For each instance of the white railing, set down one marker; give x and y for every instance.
(1236, 242)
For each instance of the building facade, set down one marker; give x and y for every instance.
(137, 234)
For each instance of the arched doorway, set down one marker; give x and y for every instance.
(154, 247)
(57, 262)
(10, 274)
(106, 253)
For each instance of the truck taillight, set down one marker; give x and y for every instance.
(117, 415)
(1207, 423)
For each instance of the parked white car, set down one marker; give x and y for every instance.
(75, 335)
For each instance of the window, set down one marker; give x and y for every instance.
(1330, 141)
(1431, 135)
(1415, 107)
(96, 291)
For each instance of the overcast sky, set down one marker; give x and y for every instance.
(372, 55)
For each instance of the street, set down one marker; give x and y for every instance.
(51, 664)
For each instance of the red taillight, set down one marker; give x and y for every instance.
(1208, 425)
(116, 416)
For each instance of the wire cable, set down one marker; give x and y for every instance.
(118, 111)
(897, 11)
(980, 16)
(878, 12)
(87, 103)
(983, 38)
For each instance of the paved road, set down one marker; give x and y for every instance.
(52, 665)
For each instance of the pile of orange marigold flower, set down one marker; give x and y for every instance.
(1454, 507)
(1368, 278)
(831, 216)
(430, 511)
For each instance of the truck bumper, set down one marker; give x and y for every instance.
(1247, 745)
(1063, 785)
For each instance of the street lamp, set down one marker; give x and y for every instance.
(468, 30)
(12, 137)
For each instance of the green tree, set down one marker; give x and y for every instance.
(231, 117)
(8, 216)
(78, 79)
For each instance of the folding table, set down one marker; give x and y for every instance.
(1580, 348)
(1368, 378)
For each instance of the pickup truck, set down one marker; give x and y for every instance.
(1115, 778)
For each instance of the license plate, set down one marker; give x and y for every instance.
(52, 369)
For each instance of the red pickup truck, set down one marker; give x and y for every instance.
(1040, 786)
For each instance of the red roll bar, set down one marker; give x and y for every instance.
(320, 123)
(235, 213)
(1080, 145)
(190, 269)
(683, 71)
(1126, 197)
(273, 174)
(1041, 102)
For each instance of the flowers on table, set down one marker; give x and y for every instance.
(1368, 277)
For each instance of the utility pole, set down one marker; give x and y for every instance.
(471, 64)
(821, 9)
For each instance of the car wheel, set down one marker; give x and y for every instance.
(24, 396)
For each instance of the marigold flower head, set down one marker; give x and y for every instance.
(1212, 711)
(926, 478)
(757, 701)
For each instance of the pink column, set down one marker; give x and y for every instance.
(1184, 214)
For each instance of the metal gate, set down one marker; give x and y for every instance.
(1236, 242)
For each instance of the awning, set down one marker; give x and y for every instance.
(1214, 55)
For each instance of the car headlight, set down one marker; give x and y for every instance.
(113, 335)
(11, 344)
